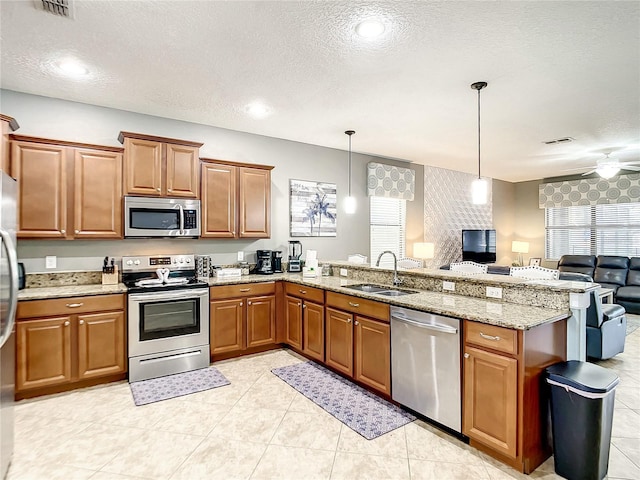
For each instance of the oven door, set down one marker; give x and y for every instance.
(164, 321)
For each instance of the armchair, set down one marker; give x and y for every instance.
(606, 328)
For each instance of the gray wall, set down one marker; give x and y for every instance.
(504, 216)
(64, 120)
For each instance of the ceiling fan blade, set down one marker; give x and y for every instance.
(577, 169)
(589, 172)
(634, 169)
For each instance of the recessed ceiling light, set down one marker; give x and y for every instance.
(370, 28)
(72, 68)
(257, 110)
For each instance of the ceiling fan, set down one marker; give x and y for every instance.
(608, 167)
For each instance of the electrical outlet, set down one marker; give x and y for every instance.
(449, 286)
(50, 261)
(240, 256)
(494, 292)
(343, 272)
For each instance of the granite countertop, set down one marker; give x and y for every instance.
(510, 315)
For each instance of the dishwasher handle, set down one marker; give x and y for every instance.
(428, 326)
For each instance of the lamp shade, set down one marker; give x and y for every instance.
(519, 247)
(607, 171)
(350, 205)
(479, 191)
(423, 250)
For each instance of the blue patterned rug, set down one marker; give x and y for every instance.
(358, 409)
(163, 388)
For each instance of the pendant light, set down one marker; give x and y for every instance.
(350, 202)
(479, 186)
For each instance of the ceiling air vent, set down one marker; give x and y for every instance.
(559, 140)
(57, 7)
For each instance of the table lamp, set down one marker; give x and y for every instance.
(519, 248)
(423, 250)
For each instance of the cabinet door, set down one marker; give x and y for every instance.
(97, 190)
(339, 340)
(373, 354)
(491, 400)
(255, 203)
(43, 351)
(182, 171)
(100, 344)
(313, 330)
(261, 321)
(219, 200)
(293, 322)
(41, 173)
(142, 167)
(225, 334)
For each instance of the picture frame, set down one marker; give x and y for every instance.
(534, 262)
(312, 208)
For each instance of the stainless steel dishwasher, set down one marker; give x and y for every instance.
(425, 365)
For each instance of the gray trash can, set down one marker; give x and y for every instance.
(582, 397)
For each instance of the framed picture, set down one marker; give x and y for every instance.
(312, 208)
(534, 262)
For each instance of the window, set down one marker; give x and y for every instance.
(610, 229)
(387, 222)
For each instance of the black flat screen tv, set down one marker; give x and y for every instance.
(479, 246)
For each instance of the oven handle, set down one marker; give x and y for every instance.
(175, 295)
(181, 219)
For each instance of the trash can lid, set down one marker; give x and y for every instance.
(583, 376)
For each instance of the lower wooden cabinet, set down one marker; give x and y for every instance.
(339, 339)
(313, 330)
(55, 348)
(304, 320)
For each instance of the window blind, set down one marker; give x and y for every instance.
(387, 220)
(605, 229)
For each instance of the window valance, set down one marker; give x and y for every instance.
(590, 191)
(391, 182)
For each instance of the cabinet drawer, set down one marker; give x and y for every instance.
(242, 290)
(361, 306)
(490, 336)
(70, 305)
(302, 291)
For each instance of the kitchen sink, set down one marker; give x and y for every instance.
(394, 293)
(380, 290)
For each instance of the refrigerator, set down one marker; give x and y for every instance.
(8, 304)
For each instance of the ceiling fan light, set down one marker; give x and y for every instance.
(479, 191)
(607, 171)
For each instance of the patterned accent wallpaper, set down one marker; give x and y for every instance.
(390, 181)
(590, 191)
(448, 210)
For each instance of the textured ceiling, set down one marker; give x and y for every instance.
(554, 69)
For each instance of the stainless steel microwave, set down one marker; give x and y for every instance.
(161, 217)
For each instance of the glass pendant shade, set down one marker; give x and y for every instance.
(350, 205)
(607, 171)
(479, 191)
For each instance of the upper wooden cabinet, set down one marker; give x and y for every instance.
(8, 125)
(67, 190)
(159, 166)
(236, 200)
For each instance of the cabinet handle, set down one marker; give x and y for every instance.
(158, 189)
(245, 289)
(466, 355)
(240, 303)
(77, 231)
(354, 304)
(63, 231)
(81, 322)
(348, 320)
(74, 305)
(304, 306)
(490, 337)
(356, 323)
(248, 302)
(66, 324)
(304, 292)
(169, 190)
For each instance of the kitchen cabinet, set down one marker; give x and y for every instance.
(242, 318)
(160, 166)
(359, 346)
(304, 319)
(67, 190)
(69, 342)
(236, 200)
(9, 125)
(504, 402)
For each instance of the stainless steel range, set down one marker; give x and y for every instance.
(168, 316)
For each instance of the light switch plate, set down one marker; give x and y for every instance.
(50, 261)
(240, 256)
(494, 292)
(449, 286)
(343, 272)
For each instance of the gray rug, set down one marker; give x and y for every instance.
(358, 409)
(171, 386)
(633, 322)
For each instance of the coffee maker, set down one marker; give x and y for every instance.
(264, 265)
(276, 261)
(295, 252)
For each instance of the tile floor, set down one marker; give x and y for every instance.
(260, 428)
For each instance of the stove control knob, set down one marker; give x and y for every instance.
(188, 260)
(129, 262)
(137, 262)
(181, 260)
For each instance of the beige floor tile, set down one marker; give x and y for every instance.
(391, 444)
(115, 476)
(355, 466)
(427, 443)
(630, 447)
(270, 392)
(153, 454)
(191, 417)
(308, 430)
(248, 424)
(620, 466)
(626, 423)
(143, 416)
(628, 396)
(32, 471)
(283, 463)
(221, 458)
(430, 470)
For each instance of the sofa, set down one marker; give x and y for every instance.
(621, 274)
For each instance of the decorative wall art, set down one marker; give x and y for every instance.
(312, 208)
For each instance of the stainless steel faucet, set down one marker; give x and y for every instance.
(396, 281)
